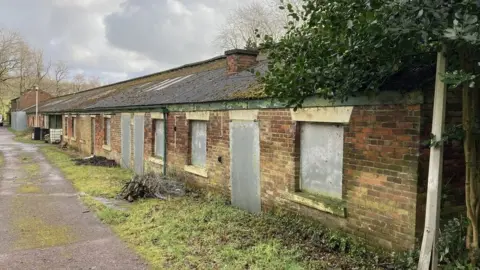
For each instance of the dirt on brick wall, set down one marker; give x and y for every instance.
(380, 168)
(380, 173)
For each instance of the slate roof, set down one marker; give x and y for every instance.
(207, 86)
(201, 82)
(198, 82)
(77, 101)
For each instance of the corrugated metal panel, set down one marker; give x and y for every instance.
(159, 138)
(199, 143)
(19, 121)
(125, 133)
(321, 158)
(138, 142)
(245, 165)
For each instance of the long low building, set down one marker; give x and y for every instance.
(358, 165)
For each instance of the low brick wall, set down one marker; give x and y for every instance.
(383, 165)
(381, 147)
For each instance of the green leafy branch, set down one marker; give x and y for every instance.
(452, 133)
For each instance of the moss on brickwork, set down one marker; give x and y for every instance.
(337, 206)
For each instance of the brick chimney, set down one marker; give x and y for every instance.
(238, 60)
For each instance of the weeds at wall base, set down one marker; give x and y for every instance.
(203, 230)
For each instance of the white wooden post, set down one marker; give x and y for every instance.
(429, 251)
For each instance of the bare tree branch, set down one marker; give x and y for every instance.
(61, 72)
(243, 22)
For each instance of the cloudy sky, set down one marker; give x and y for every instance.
(118, 39)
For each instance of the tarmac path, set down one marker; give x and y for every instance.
(43, 224)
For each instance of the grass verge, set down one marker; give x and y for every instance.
(24, 136)
(94, 181)
(207, 233)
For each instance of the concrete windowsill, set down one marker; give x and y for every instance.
(156, 160)
(196, 170)
(65, 137)
(107, 147)
(333, 206)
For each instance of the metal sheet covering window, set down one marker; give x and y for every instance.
(321, 158)
(198, 131)
(107, 129)
(159, 138)
(73, 127)
(66, 126)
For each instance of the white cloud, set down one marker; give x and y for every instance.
(118, 39)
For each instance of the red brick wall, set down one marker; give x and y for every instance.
(238, 62)
(381, 149)
(178, 149)
(28, 99)
(380, 173)
(380, 170)
(31, 120)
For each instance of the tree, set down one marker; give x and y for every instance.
(244, 22)
(60, 73)
(345, 48)
(31, 68)
(9, 44)
(78, 82)
(93, 82)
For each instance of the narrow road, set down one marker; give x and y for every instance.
(43, 224)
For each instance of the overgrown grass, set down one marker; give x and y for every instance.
(206, 233)
(24, 136)
(95, 181)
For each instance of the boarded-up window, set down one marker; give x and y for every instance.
(321, 159)
(45, 121)
(106, 129)
(159, 138)
(73, 127)
(199, 142)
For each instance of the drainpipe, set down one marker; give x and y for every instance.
(36, 106)
(165, 128)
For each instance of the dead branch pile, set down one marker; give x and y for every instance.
(151, 185)
(96, 161)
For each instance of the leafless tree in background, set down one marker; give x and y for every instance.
(32, 70)
(60, 72)
(9, 45)
(239, 30)
(22, 67)
(93, 82)
(78, 82)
